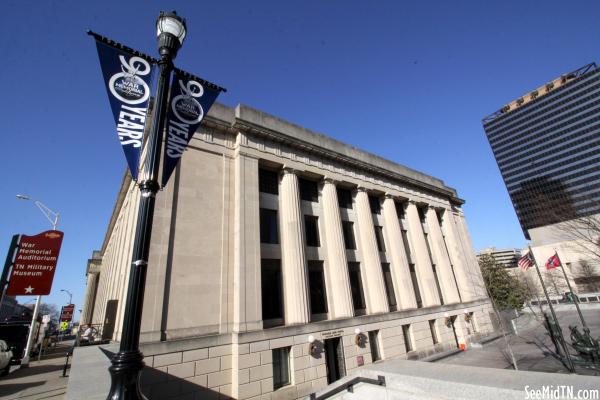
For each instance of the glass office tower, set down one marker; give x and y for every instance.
(547, 146)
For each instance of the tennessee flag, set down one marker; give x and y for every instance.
(553, 262)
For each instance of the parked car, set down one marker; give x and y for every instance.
(5, 357)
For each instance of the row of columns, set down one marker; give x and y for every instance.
(294, 263)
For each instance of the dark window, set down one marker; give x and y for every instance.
(268, 226)
(311, 229)
(379, 237)
(358, 297)
(344, 198)
(433, 330)
(400, 210)
(421, 211)
(309, 190)
(437, 283)
(375, 205)
(272, 299)
(268, 181)
(415, 282)
(316, 280)
(281, 367)
(389, 286)
(406, 244)
(374, 343)
(407, 338)
(348, 229)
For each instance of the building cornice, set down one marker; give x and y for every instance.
(258, 124)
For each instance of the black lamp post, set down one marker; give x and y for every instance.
(127, 364)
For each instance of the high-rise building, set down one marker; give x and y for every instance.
(508, 258)
(282, 260)
(547, 146)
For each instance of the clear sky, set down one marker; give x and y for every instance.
(409, 81)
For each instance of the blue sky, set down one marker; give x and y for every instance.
(409, 81)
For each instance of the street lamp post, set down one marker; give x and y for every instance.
(127, 364)
(53, 217)
(70, 295)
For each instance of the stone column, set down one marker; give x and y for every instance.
(247, 299)
(337, 264)
(423, 268)
(399, 261)
(445, 275)
(457, 256)
(474, 270)
(371, 263)
(87, 312)
(293, 258)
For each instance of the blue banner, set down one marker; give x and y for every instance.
(190, 101)
(128, 79)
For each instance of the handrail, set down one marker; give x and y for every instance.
(380, 381)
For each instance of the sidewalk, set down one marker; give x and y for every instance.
(42, 380)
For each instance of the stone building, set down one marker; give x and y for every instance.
(282, 259)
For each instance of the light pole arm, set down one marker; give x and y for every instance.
(50, 215)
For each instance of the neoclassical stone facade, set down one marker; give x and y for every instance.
(282, 259)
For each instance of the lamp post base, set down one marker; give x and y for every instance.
(124, 374)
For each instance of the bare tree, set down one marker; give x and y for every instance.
(587, 276)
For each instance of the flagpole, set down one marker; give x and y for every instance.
(575, 298)
(570, 366)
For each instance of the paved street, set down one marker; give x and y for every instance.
(532, 346)
(42, 380)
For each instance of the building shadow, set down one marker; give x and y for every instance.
(158, 385)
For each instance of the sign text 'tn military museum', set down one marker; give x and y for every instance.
(35, 264)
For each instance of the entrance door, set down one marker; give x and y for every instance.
(110, 317)
(334, 359)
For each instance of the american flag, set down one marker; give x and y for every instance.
(525, 262)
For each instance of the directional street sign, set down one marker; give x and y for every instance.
(66, 313)
(35, 264)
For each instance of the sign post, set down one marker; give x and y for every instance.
(33, 272)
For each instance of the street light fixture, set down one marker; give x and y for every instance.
(53, 217)
(48, 213)
(70, 295)
(128, 363)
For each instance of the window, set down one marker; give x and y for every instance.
(437, 283)
(281, 367)
(374, 343)
(272, 299)
(268, 181)
(406, 244)
(421, 212)
(348, 230)
(379, 237)
(415, 282)
(400, 210)
(389, 286)
(311, 230)
(433, 330)
(407, 338)
(316, 282)
(268, 226)
(309, 190)
(344, 198)
(375, 205)
(358, 297)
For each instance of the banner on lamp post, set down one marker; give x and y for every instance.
(35, 264)
(190, 100)
(128, 78)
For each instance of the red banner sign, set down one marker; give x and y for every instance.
(66, 313)
(35, 264)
